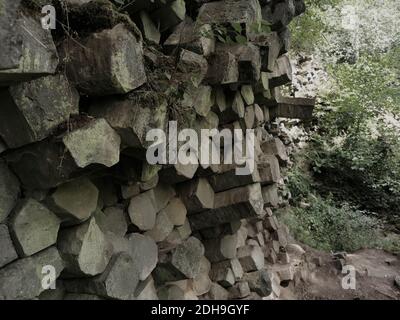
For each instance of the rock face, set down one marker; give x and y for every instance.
(30, 52)
(7, 252)
(231, 205)
(143, 251)
(170, 15)
(259, 282)
(85, 249)
(163, 227)
(132, 117)
(42, 165)
(77, 189)
(11, 54)
(176, 212)
(182, 263)
(119, 280)
(33, 227)
(251, 258)
(9, 191)
(96, 143)
(146, 290)
(246, 12)
(74, 201)
(143, 211)
(197, 195)
(193, 37)
(112, 219)
(113, 62)
(37, 108)
(22, 280)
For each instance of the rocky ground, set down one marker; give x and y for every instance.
(377, 277)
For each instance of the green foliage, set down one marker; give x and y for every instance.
(307, 31)
(354, 154)
(299, 184)
(235, 33)
(327, 226)
(356, 146)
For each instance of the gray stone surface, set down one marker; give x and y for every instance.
(163, 193)
(239, 291)
(148, 28)
(200, 98)
(22, 279)
(217, 292)
(96, 143)
(36, 108)
(229, 179)
(192, 66)
(143, 251)
(268, 167)
(142, 211)
(113, 62)
(163, 227)
(85, 249)
(118, 281)
(246, 12)
(176, 211)
(178, 173)
(224, 276)
(132, 117)
(33, 227)
(248, 60)
(251, 258)
(112, 219)
(259, 282)
(11, 52)
(397, 281)
(182, 263)
(270, 195)
(221, 248)
(170, 15)
(9, 191)
(42, 165)
(33, 52)
(202, 283)
(223, 68)
(7, 250)
(74, 201)
(197, 195)
(231, 205)
(130, 191)
(282, 73)
(192, 36)
(271, 45)
(146, 290)
(294, 108)
(186, 257)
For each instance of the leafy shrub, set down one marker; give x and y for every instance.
(354, 154)
(299, 184)
(357, 145)
(327, 226)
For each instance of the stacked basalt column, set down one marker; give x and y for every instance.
(77, 194)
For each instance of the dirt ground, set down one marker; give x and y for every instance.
(321, 277)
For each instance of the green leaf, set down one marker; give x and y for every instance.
(241, 39)
(237, 27)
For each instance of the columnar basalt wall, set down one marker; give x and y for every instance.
(77, 193)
